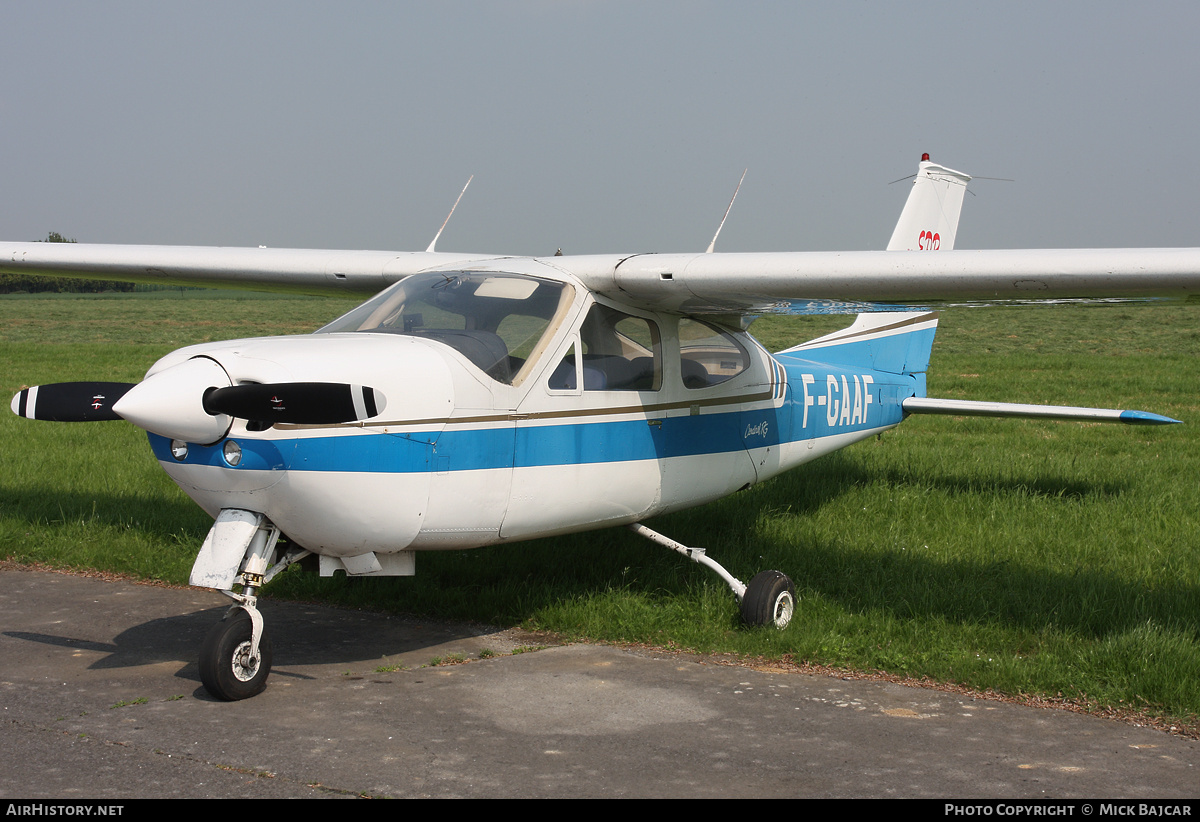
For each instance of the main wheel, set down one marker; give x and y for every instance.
(770, 599)
(226, 667)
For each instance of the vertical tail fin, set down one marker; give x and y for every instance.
(929, 221)
(898, 343)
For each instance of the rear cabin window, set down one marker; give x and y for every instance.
(621, 352)
(708, 355)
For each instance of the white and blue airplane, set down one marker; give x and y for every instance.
(477, 399)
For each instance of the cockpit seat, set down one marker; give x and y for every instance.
(483, 348)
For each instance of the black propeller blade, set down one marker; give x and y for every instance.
(304, 403)
(70, 401)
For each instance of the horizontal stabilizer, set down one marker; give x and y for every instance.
(970, 408)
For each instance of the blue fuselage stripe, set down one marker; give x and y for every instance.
(819, 401)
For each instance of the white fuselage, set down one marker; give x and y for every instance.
(589, 432)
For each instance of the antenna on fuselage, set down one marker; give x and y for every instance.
(451, 214)
(727, 210)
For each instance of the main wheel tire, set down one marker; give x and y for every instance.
(225, 669)
(770, 599)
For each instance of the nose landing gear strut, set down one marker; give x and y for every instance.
(235, 658)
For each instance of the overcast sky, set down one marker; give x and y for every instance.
(595, 126)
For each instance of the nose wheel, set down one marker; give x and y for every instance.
(232, 665)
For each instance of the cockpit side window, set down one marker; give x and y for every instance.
(621, 352)
(708, 355)
(499, 322)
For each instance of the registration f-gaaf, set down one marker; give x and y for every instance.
(477, 399)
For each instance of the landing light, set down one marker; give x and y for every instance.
(179, 450)
(233, 453)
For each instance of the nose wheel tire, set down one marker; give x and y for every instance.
(227, 669)
(770, 599)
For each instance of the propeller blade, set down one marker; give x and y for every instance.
(304, 403)
(70, 401)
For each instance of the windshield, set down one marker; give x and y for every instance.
(499, 322)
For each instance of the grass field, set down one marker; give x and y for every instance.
(1031, 558)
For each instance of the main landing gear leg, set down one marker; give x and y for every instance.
(235, 658)
(769, 599)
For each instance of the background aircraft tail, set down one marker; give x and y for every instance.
(901, 342)
(929, 221)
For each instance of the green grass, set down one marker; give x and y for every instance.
(1027, 557)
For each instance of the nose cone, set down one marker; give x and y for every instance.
(171, 403)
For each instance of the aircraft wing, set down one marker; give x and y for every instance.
(866, 280)
(792, 282)
(315, 271)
